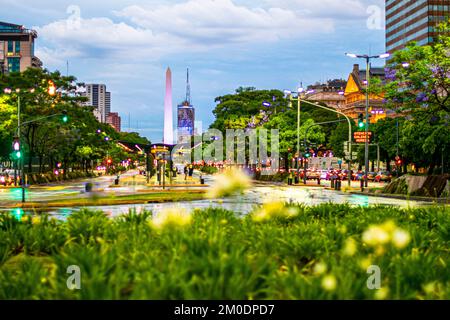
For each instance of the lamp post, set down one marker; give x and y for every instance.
(368, 59)
(300, 91)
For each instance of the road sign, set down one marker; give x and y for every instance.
(360, 136)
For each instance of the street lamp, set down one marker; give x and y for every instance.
(300, 92)
(368, 59)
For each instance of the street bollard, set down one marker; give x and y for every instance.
(362, 185)
(332, 183)
(318, 181)
(297, 180)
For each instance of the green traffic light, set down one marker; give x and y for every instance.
(361, 124)
(65, 119)
(18, 154)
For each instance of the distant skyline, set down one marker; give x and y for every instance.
(128, 45)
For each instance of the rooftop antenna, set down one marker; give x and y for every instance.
(188, 88)
(67, 68)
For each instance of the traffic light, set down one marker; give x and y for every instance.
(361, 121)
(51, 88)
(16, 147)
(398, 161)
(307, 153)
(64, 117)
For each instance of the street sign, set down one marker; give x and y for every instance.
(360, 136)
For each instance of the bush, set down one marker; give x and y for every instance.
(218, 255)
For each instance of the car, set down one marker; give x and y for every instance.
(385, 176)
(313, 174)
(324, 174)
(371, 176)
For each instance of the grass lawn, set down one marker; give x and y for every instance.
(277, 252)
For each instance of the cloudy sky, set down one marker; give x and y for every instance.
(128, 45)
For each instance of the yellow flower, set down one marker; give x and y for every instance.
(329, 282)
(389, 226)
(382, 293)
(400, 238)
(343, 229)
(36, 220)
(380, 250)
(273, 210)
(365, 263)
(320, 268)
(175, 217)
(375, 236)
(232, 181)
(350, 247)
(25, 218)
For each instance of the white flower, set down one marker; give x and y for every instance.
(375, 236)
(400, 238)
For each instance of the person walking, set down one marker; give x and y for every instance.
(185, 172)
(191, 171)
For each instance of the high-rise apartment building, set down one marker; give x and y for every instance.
(17, 48)
(113, 119)
(413, 20)
(99, 98)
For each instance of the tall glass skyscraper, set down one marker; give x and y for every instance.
(413, 20)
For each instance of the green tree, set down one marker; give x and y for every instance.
(418, 86)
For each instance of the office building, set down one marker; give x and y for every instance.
(413, 20)
(99, 98)
(17, 46)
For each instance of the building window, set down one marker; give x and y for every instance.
(14, 64)
(17, 46)
(10, 46)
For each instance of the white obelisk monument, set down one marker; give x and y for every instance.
(168, 110)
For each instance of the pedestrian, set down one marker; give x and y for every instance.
(290, 178)
(185, 172)
(191, 171)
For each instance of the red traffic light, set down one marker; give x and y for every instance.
(109, 161)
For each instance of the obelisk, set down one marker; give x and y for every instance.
(168, 110)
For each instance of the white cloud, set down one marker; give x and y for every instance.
(195, 25)
(338, 10)
(219, 22)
